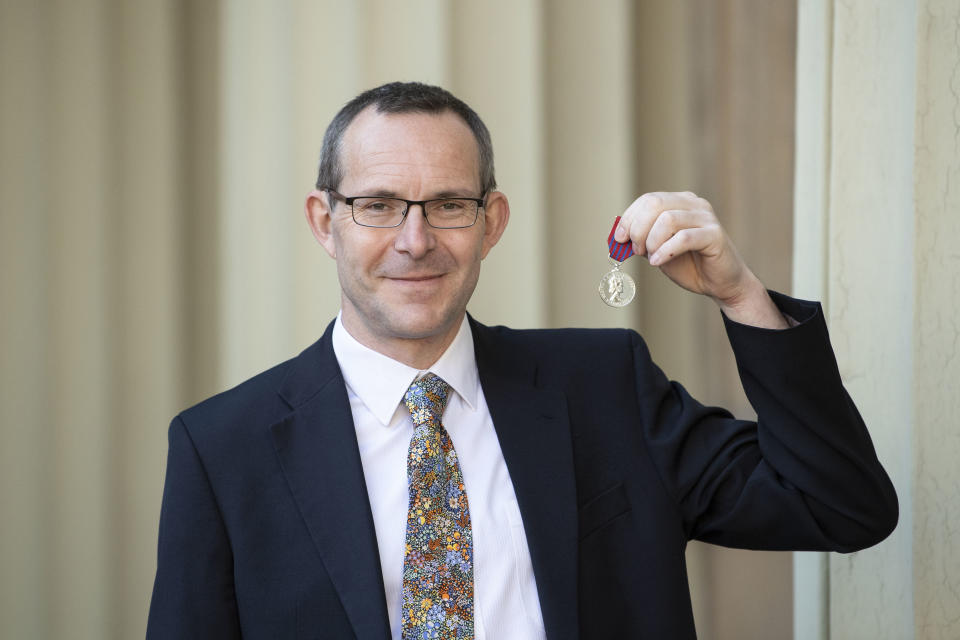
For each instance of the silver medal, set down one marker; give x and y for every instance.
(616, 287)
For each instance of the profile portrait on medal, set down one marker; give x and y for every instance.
(615, 288)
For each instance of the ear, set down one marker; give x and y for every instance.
(317, 210)
(496, 216)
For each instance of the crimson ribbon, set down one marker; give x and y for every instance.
(619, 251)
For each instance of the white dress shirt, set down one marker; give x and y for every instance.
(506, 605)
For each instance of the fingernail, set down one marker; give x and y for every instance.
(655, 258)
(620, 235)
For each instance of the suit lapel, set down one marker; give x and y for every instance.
(317, 448)
(318, 452)
(534, 433)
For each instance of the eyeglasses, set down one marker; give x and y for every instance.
(441, 213)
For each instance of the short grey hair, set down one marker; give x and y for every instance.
(402, 97)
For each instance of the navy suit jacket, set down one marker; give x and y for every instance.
(266, 529)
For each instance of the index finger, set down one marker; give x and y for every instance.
(638, 219)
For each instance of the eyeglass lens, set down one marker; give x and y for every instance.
(389, 212)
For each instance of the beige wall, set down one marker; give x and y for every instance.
(877, 229)
(153, 165)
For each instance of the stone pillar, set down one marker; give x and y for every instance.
(936, 332)
(876, 234)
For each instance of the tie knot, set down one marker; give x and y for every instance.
(426, 399)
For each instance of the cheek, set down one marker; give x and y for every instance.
(469, 252)
(353, 265)
(356, 253)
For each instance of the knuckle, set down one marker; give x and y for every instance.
(651, 199)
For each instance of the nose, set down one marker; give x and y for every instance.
(415, 236)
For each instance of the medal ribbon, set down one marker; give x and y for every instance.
(619, 251)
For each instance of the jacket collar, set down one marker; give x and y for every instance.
(383, 393)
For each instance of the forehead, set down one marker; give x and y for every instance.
(410, 150)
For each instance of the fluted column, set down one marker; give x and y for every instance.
(878, 226)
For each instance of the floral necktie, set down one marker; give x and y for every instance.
(438, 555)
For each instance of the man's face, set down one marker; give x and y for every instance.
(411, 282)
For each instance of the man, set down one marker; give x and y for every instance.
(417, 474)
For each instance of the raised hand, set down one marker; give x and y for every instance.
(680, 234)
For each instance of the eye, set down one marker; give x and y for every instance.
(377, 206)
(451, 207)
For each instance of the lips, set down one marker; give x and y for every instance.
(423, 278)
(416, 289)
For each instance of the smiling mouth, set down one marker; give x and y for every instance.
(415, 278)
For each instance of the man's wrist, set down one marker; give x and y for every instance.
(754, 308)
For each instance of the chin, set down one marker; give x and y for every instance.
(400, 318)
(418, 326)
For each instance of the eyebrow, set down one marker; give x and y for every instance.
(383, 193)
(387, 193)
(455, 194)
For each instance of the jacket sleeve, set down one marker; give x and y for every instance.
(805, 476)
(193, 593)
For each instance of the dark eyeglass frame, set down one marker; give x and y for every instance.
(481, 204)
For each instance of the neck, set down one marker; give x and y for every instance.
(419, 353)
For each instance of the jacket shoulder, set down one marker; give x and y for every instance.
(255, 400)
(267, 397)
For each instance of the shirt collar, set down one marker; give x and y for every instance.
(380, 382)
